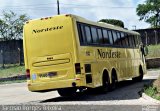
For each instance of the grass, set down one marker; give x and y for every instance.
(12, 71)
(153, 51)
(153, 90)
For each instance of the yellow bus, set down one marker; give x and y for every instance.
(69, 53)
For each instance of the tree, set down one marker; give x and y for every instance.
(113, 22)
(11, 25)
(150, 12)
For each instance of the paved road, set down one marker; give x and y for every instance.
(126, 94)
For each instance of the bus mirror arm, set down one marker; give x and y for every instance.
(145, 48)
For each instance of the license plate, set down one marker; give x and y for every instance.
(49, 74)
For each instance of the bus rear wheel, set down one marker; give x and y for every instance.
(114, 80)
(105, 84)
(114, 83)
(67, 92)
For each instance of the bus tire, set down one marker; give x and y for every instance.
(140, 77)
(105, 83)
(114, 80)
(67, 92)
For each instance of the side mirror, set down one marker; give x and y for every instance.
(145, 50)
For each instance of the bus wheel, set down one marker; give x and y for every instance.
(140, 77)
(67, 92)
(114, 81)
(105, 83)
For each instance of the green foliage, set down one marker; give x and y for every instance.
(12, 71)
(152, 90)
(150, 12)
(113, 22)
(11, 25)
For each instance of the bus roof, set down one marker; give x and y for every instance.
(83, 20)
(102, 24)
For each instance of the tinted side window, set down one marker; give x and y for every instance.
(115, 38)
(126, 39)
(94, 35)
(81, 33)
(123, 39)
(100, 36)
(130, 40)
(139, 39)
(133, 41)
(110, 37)
(88, 34)
(136, 40)
(105, 35)
(119, 39)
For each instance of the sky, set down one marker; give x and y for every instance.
(93, 10)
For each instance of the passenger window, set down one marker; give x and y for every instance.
(122, 39)
(81, 33)
(133, 41)
(106, 38)
(110, 37)
(136, 40)
(100, 36)
(115, 38)
(119, 39)
(88, 34)
(126, 39)
(130, 41)
(139, 39)
(94, 35)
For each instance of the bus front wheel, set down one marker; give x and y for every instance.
(140, 77)
(67, 92)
